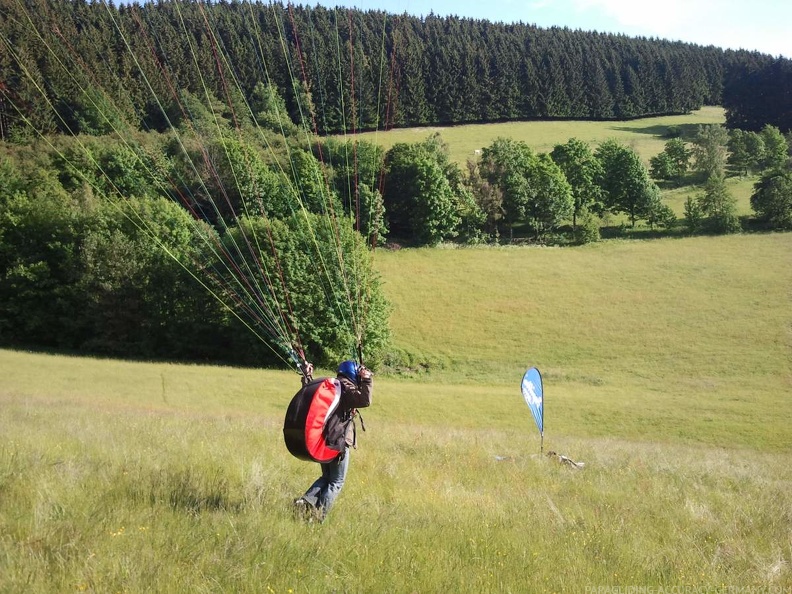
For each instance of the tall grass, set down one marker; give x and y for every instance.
(142, 497)
(667, 371)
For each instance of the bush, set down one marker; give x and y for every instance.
(141, 263)
(694, 217)
(588, 228)
(40, 269)
(674, 132)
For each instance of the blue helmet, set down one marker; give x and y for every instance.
(350, 370)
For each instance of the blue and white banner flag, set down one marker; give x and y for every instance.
(532, 392)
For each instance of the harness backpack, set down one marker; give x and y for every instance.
(313, 422)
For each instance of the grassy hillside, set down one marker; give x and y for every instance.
(645, 135)
(667, 371)
(640, 328)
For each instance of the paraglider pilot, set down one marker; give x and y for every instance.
(356, 388)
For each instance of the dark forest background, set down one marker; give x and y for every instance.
(362, 70)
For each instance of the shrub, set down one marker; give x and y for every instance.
(588, 227)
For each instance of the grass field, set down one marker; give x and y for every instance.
(646, 135)
(740, 189)
(667, 369)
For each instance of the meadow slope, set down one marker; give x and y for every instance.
(646, 135)
(673, 338)
(667, 371)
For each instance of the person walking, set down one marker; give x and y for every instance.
(356, 389)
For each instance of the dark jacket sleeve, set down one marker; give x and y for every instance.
(353, 396)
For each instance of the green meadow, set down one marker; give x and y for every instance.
(646, 135)
(667, 371)
(740, 188)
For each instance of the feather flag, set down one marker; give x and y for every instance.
(533, 393)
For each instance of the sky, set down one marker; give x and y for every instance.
(761, 25)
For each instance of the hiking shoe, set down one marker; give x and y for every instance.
(304, 510)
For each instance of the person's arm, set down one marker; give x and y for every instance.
(358, 396)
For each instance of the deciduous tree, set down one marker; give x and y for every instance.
(710, 148)
(672, 163)
(419, 201)
(719, 206)
(625, 180)
(583, 171)
(776, 150)
(534, 188)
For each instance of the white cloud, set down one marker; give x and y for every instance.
(757, 25)
(656, 18)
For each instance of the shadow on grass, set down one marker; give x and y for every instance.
(685, 131)
(10, 344)
(619, 232)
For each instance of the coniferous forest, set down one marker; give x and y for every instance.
(363, 70)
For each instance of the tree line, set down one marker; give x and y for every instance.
(346, 69)
(565, 196)
(102, 251)
(759, 94)
(145, 144)
(186, 246)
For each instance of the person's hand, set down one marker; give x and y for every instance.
(364, 373)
